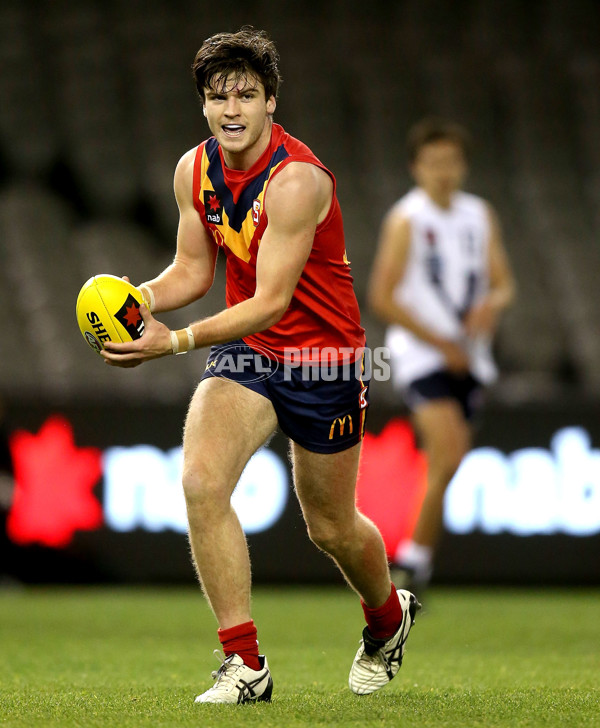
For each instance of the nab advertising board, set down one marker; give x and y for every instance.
(98, 497)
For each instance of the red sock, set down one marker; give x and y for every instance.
(242, 641)
(384, 621)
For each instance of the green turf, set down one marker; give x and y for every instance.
(101, 657)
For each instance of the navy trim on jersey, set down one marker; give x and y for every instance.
(237, 212)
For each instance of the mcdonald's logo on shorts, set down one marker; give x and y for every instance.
(342, 423)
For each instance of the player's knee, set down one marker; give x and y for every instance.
(456, 454)
(328, 535)
(201, 489)
(443, 467)
(324, 540)
(445, 459)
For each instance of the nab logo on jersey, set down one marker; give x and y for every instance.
(213, 207)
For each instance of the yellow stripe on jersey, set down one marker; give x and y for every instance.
(224, 234)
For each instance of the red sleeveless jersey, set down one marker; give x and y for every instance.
(323, 311)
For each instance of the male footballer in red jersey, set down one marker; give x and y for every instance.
(269, 203)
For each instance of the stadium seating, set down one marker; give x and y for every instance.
(98, 106)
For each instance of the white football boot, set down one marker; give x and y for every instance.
(378, 661)
(237, 683)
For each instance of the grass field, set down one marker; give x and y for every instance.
(122, 657)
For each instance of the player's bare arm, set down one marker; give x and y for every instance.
(191, 274)
(188, 278)
(297, 199)
(483, 318)
(388, 269)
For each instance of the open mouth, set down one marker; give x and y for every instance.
(233, 130)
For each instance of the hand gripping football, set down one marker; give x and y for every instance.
(108, 309)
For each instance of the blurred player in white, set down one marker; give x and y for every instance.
(441, 280)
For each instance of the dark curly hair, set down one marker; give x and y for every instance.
(434, 129)
(247, 52)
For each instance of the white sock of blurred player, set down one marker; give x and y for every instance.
(416, 558)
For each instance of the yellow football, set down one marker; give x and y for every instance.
(108, 309)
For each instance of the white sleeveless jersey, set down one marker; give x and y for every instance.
(447, 272)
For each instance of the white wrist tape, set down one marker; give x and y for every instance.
(191, 339)
(182, 340)
(148, 296)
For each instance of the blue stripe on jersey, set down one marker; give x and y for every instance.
(238, 213)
